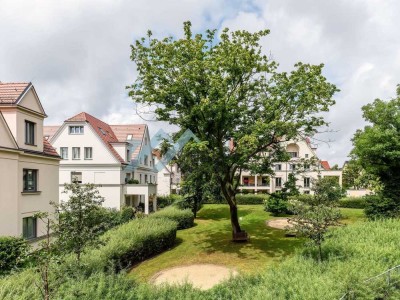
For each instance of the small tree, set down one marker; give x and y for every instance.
(278, 201)
(312, 220)
(78, 224)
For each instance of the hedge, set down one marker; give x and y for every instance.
(164, 201)
(245, 199)
(13, 253)
(131, 243)
(353, 202)
(184, 217)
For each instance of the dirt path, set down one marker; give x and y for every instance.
(202, 276)
(281, 223)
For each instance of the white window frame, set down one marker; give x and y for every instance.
(73, 129)
(64, 152)
(86, 150)
(73, 153)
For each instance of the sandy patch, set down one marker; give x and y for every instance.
(279, 223)
(202, 276)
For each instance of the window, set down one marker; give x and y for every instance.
(64, 152)
(306, 167)
(29, 226)
(75, 129)
(76, 177)
(145, 179)
(278, 167)
(76, 153)
(307, 182)
(129, 137)
(88, 152)
(102, 131)
(140, 178)
(278, 182)
(29, 133)
(30, 180)
(128, 155)
(306, 155)
(146, 160)
(307, 192)
(265, 181)
(292, 154)
(292, 167)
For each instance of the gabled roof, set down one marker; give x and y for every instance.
(48, 148)
(325, 165)
(50, 131)
(10, 93)
(103, 130)
(136, 130)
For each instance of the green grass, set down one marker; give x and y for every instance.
(209, 241)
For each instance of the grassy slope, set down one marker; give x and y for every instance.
(209, 242)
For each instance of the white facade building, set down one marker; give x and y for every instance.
(301, 152)
(169, 176)
(28, 163)
(116, 158)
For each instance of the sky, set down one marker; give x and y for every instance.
(77, 53)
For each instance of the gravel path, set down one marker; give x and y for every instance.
(281, 223)
(202, 276)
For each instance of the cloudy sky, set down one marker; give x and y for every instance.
(76, 52)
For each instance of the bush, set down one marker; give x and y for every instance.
(352, 202)
(184, 218)
(13, 253)
(277, 204)
(305, 198)
(131, 243)
(164, 201)
(378, 206)
(244, 199)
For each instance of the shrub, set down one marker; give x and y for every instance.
(305, 198)
(164, 201)
(127, 214)
(378, 206)
(13, 253)
(131, 243)
(352, 202)
(244, 199)
(277, 204)
(184, 218)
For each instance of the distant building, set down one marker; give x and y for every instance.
(300, 151)
(29, 165)
(169, 176)
(116, 158)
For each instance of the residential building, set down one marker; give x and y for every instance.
(29, 165)
(113, 157)
(168, 176)
(304, 164)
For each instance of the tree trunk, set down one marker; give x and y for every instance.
(234, 219)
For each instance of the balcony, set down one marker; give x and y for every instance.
(147, 190)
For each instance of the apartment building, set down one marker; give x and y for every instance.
(304, 164)
(29, 165)
(116, 158)
(168, 176)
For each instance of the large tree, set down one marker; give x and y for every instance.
(223, 88)
(377, 148)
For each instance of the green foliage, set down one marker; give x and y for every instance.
(225, 89)
(305, 198)
(353, 202)
(184, 218)
(164, 201)
(130, 243)
(355, 177)
(377, 149)
(13, 253)
(378, 206)
(79, 224)
(312, 220)
(132, 181)
(244, 199)
(277, 204)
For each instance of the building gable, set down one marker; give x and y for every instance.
(30, 100)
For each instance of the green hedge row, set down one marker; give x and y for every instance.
(353, 202)
(164, 201)
(13, 253)
(245, 199)
(183, 217)
(131, 243)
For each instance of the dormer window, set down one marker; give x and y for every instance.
(129, 137)
(292, 154)
(75, 129)
(29, 133)
(102, 131)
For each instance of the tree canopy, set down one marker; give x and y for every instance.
(228, 92)
(377, 146)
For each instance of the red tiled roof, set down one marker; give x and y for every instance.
(49, 131)
(136, 130)
(48, 149)
(11, 92)
(325, 165)
(102, 129)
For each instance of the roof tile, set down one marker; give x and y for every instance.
(10, 92)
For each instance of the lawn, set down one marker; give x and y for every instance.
(209, 241)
